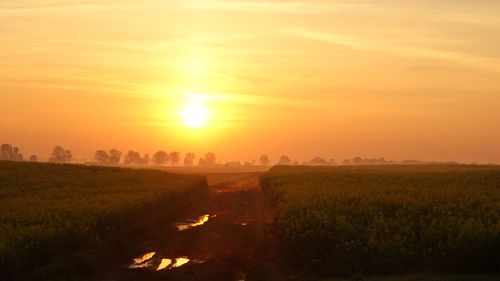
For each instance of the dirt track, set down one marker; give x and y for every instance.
(234, 244)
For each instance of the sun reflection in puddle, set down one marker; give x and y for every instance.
(180, 261)
(164, 264)
(147, 261)
(189, 224)
(143, 261)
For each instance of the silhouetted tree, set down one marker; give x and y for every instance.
(357, 160)
(101, 157)
(233, 164)
(133, 158)
(60, 155)
(189, 159)
(210, 159)
(160, 158)
(146, 159)
(114, 156)
(175, 157)
(10, 153)
(264, 160)
(381, 160)
(318, 161)
(33, 158)
(331, 162)
(284, 160)
(202, 162)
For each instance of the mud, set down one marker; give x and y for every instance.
(229, 239)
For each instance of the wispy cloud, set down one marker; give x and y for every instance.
(281, 7)
(358, 43)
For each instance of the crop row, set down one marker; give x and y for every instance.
(387, 219)
(50, 212)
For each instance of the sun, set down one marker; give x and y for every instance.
(195, 113)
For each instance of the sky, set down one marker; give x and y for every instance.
(414, 79)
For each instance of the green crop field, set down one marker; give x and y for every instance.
(61, 218)
(387, 219)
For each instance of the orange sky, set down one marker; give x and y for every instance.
(399, 79)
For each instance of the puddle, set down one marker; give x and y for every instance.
(143, 261)
(192, 223)
(180, 261)
(164, 264)
(147, 261)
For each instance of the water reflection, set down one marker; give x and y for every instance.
(143, 261)
(192, 223)
(180, 261)
(164, 264)
(147, 261)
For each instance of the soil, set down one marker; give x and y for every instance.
(234, 244)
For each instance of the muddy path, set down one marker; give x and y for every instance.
(227, 238)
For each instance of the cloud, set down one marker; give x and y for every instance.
(358, 43)
(281, 7)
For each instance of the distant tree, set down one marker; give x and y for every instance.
(133, 158)
(247, 164)
(60, 155)
(175, 157)
(160, 158)
(33, 158)
(189, 159)
(357, 160)
(346, 162)
(10, 153)
(202, 162)
(146, 159)
(318, 161)
(16, 155)
(210, 159)
(233, 164)
(264, 160)
(284, 160)
(114, 156)
(101, 157)
(412, 162)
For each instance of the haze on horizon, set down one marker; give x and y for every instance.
(395, 79)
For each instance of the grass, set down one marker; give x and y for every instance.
(342, 221)
(63, 220)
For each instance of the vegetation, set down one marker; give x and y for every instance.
(10, 153)
(64, 218)
(387, 219)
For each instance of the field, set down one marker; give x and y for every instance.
(343, 221)
(390, 223)
(66, 219)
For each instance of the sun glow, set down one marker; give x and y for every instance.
(195, 113)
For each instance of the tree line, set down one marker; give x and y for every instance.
(9, 152)
(160, 158)
(59, 154)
